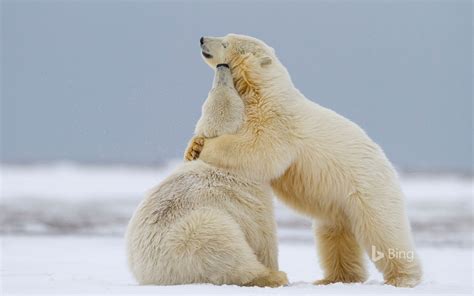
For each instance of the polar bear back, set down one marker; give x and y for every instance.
(197, 184)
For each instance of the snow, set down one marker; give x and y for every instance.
(83, 199)
(62, 225)
(96, 265)
(56, 181)
(69, 181)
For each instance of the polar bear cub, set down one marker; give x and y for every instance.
(203, 224)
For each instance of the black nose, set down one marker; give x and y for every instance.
(201, 40)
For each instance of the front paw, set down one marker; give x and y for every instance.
(194, 148)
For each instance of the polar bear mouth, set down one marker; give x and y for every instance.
(206, 55)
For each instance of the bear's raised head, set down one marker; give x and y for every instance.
(252, 62)
(233, 48)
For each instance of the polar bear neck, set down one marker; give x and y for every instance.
(256, 88)
(246, 81)
(222, 77)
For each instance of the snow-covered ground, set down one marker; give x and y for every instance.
(96, 265)
(66, 199)
(62, 225)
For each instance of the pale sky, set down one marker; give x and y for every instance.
(110, 82)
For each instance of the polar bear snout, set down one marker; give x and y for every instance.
(214, 50)
(205, 52)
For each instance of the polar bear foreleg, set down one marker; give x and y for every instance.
(257, 157)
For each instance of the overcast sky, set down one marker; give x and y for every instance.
(123, 82)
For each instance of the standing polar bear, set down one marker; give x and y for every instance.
(204, 224)
(318, 162)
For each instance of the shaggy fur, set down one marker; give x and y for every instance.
(223, 111)
(204, 224)
(318, 162)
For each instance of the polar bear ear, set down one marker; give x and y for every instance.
(265, 61)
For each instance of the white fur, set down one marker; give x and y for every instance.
(203, 224)
(319, 163)
(223, 111)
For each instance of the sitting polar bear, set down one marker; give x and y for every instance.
(318, 162)
(203, 224)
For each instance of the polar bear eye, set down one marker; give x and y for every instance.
(225, 44)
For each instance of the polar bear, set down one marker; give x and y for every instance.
(203, 224)
(223, 111)
(318, 162)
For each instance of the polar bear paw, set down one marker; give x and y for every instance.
(405, 281)
(341, 279)
(194, 148)
(273, 279)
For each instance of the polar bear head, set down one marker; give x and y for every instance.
(233, 47)
(253, 63)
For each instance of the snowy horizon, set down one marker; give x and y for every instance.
(72, 199)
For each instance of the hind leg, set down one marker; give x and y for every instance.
(341, 256)
(208, 246)
(382, 226)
